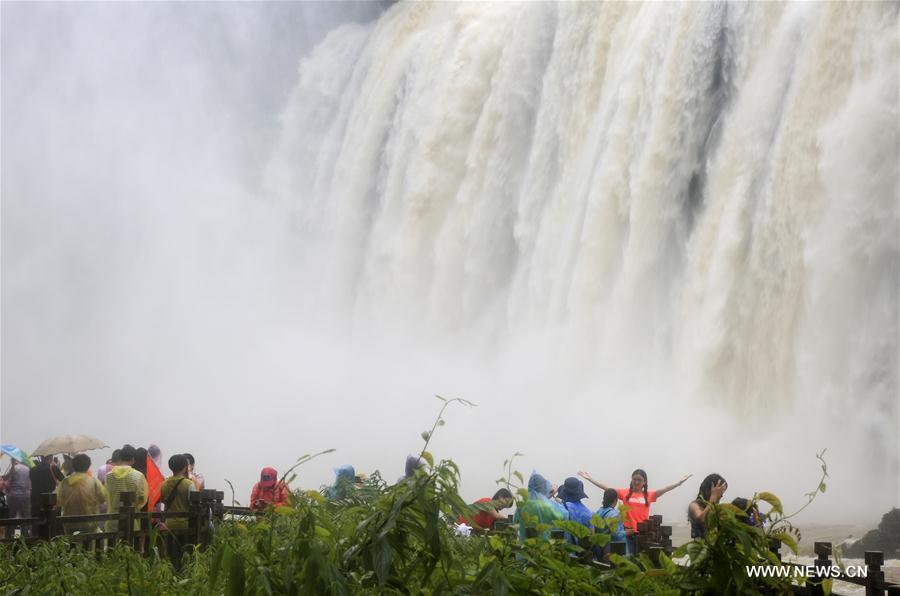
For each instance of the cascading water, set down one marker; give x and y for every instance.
(688, 207)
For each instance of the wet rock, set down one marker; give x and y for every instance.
(886, 538)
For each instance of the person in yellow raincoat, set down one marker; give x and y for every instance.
(124, 478)
(80, 494)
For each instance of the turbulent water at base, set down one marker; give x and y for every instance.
(691, 204)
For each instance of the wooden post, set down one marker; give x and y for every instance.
(499, 524)
(874, 576)
(194, 522)
(208, 510)
(655, 523)
(219, 507)
(775, 547)
(126, 517)
(665, 541)
(821, 564)
(653, 552)
(639, 539)
(48, 514)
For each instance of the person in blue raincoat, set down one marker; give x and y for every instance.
(344, 481)
(539, 509)
(571, 493)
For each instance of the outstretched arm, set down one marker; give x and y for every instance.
(588, 477)
(666, 489)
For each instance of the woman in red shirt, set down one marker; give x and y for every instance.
(637, 497)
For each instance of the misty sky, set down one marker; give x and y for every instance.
(139, 265)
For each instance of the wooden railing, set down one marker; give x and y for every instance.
(654, 538)
(144, 531)
(138, 529)
(874, 580)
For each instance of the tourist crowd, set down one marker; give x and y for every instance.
(137, 470)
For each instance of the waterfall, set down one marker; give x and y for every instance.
(701, 193)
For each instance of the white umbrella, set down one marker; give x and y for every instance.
(69, 444)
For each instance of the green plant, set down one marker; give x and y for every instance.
(399, 538)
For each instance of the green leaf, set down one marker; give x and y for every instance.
(500, 585)
(216, 564)
(600, 539)
(667, 564)
(772, 500)
(787, 540)
(429, 458)
(236, 578)
(733, 509)
(382, 560)
(574, 528)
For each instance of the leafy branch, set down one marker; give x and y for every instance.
(300, 461)
(781, 529)
(507, 479)
(439, 421)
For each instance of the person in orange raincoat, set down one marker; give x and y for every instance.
(269, 491)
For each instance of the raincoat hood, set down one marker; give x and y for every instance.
(268, 477)
(120, 472)
(76, 478)
(344, 473)
(344, 477)
(413, 462)
(538, 486)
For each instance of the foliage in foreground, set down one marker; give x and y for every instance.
(384, 539)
